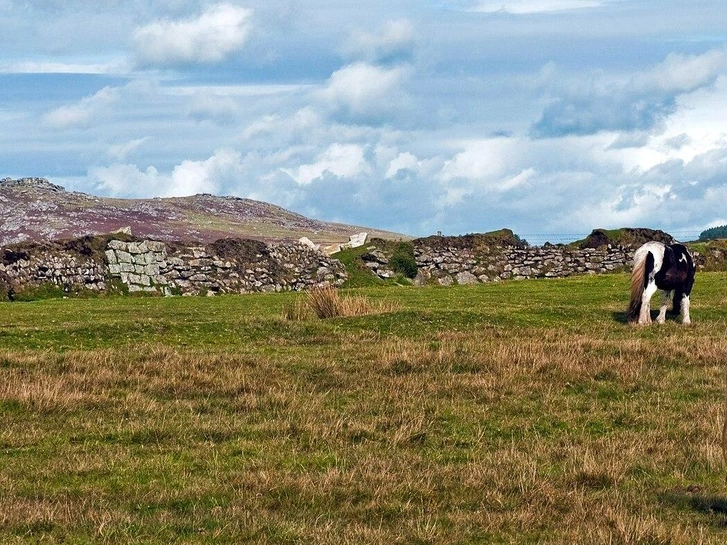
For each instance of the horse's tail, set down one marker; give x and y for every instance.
(638, 282)
(724, 416)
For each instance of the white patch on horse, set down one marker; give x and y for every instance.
(685, 310)
(661, 318)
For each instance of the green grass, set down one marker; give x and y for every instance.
(519, 412)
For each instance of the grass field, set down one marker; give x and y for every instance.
(520, 412)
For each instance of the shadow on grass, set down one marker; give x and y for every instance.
(620, 317)
(708, 504)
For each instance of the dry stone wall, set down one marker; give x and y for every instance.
(461, 265)
(155, 267)
(465, 266)
(149, 267)
(64, 271)
(244, 266)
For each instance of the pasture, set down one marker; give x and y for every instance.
(520, 412)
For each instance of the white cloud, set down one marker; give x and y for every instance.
(641, 102)
(305, 121)
(627, 208)
(394, 40)
(365, 91)
(403, 161)
(187, 178)
(218, 32)
(526, 7)
(36, 67)
(519, 179)
(222, 109)
(682, 73)
(121, 152)
(343, 160)
(84, 112)
(483, 159)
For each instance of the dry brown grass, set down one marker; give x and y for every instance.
(556, 439)
(328, 434)
(326, 302)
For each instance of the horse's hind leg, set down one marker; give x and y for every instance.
(685, 310)
(661, 318)
(645, 313)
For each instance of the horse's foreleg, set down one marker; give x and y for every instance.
(645, 312)
(685, 310)
(664, 303)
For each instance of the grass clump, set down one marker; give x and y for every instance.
(326, 302)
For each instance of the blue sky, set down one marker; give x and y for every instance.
(550, 117)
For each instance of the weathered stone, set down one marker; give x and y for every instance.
(445, 281)
(466, 278)
(137, 248)
(359, 239)
(117, 245)
(156, 246)
(124, 257)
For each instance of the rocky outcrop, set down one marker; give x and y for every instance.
(628, 236)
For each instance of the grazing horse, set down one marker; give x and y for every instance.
(667, 267)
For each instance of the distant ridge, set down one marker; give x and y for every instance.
(34, 209)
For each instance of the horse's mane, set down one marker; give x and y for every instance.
(637, 289)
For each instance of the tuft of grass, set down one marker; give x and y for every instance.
(326, 302)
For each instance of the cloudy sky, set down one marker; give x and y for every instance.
(550, 117)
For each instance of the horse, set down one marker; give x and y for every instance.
(665, 267)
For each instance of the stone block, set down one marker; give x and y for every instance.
(156, 246)
(465, 278)
(117, 245)
(137, 247)
(111, 256)
(359, 239)
(139, 259)
(124, 257)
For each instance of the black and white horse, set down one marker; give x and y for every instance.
(667, 267)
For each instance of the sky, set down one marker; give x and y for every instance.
(548, 117)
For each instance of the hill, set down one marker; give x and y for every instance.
(33, 209)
